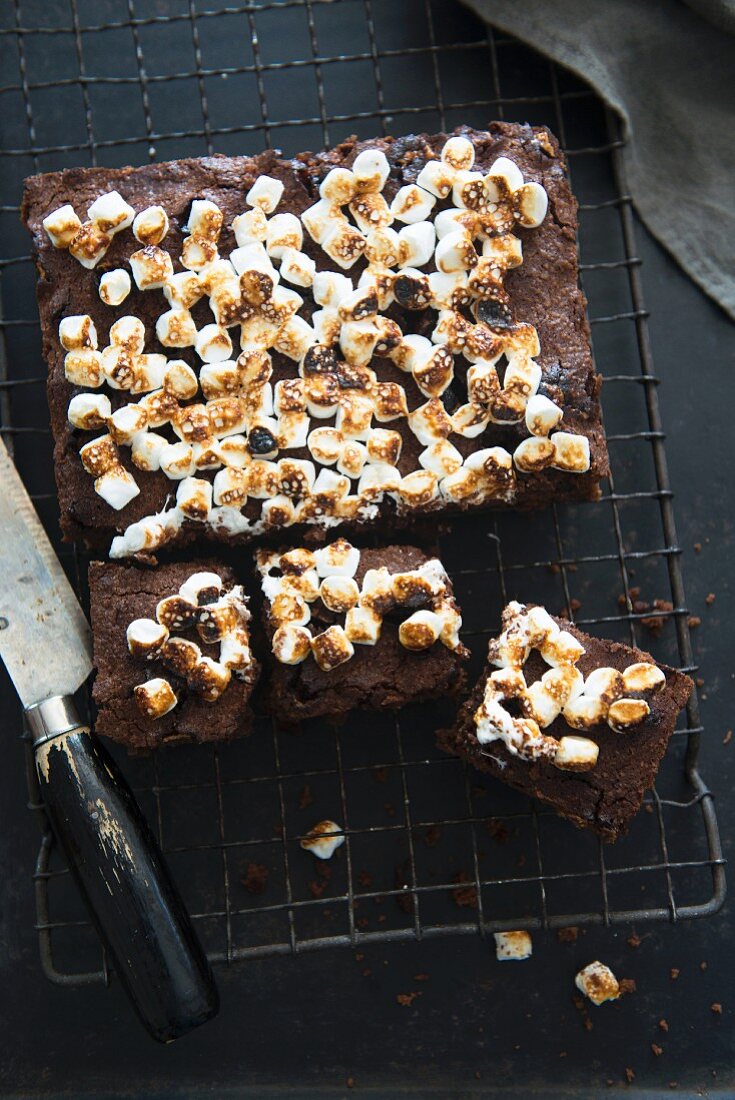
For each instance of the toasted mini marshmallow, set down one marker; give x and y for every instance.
(126, 422)
(89, 244)
(197, 252)
(194, 498)
(77, 332)
(455, 252)
(542, 415)
(145, 638)
(352, 458)
(357, 341)
(149, 373)
(420, 630)
(626, 713)
(146, 450)
(183, 290)
(151, 225)
(321, 219)
(213, 344)
(458, 153)
(339, 594)
(643, 676)
(331, 648)
(389, 402)
(233, 451)
(152, 267)
(323, 840)
(430, 422)
(416, 243)
(534, 454)
(571, 452)
(62, 226)
(155, 697)
(180, 380)
(338, 559)
(265, 193)
(437, 178)
(205, 220)
(177, 460)
(370, 170)
(513, 946)
(114, 286)
(598, 983)
(378, 478)
(441, 458)
(362, 626)
(370, 211)
(412, 204)
(325, 445)
(384, 446)
(99, 455)
(576, 754)
(111, 212)
(296, 267)
(291, 644)
(116, 487)
(89, 411)
(436, 373)
(418, 488)
(230, 487)
(344, 244)
(176, 329)
(530, 203)
(338, 186)
(202, 587)
(330, 288)
(508, 171)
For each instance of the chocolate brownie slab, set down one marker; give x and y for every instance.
(576, 721)
(172, 653)
(357, 629)
(352, 337)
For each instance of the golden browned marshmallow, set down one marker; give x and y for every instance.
(331, 648)
(77, 332)
(216, 620)
(208, 678)
(155, 697)
(180, 380)
(84, 368)
(197, 252)
(339, 594)
(420, 630)
(363, 626)
(126, 422)
(145, 638)
(291, 644)
(152, 267)
(150, 226)
(626, 713)
(598, 983)
(89, 244)
(418, 489)
(181, 655)
(513, 946)
(99, 455)
(177, 613)
(194, 498)
(176, 329)
(576, 754)
(643, 677)
(230, 487)
(89, 411)
(62, 226)
(534, 454)
(344, 244)
(571, 452)
(323, 840)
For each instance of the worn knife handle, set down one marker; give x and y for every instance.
(120, 872)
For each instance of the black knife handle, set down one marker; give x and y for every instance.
(121, 875)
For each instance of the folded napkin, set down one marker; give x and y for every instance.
(668, 69)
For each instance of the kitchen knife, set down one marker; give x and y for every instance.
(45, 644)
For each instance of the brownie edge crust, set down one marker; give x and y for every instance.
(606, 797)
(542, 292)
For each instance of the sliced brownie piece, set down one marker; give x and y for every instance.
(357, 629)
(439, 360)
(172, 653)
(578, 722)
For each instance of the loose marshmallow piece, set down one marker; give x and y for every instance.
(62, 226)
(598, 983)
(114, 286)
(265, 193)
(155, 697)
(151, 225)
(513, 946)
(111, 213)
(323, 840)
(205, 220)
(571, 452)
(530, 205)
(145, 638)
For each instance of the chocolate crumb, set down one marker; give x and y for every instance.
(727, 738)
(255, 878)
(421, 977)
(366, 972)
(305, 797)
(674, 972)
(657, 1050)
(407, 999)
(432, 835)
(362, 922)
(588, 1025)
(693, 622)
(627, 985)
(655, 623)
(365, 879)
(359, 956)
(716, 1008)
(350, 1082)
(497, 829)
(634, 940)
(697, 547)
(709, 599)
(465, 896)
(380, 775)
(629, 1075)
(663, 1024)
(568, 935)
(390, 809)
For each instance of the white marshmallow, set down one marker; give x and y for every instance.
(508, 171)
(330, 288)
(194, 498)
(297, 267)
(177, 460)
(250, 227)
(283, 231)
(370, 170)
(458, 153)
(437, 178)
(205, 220)
(453, 252)
(151, 225)
(180, 380)
(213, 344)
(116, 487)
(183, 289)
(513, 946)
(77, 332)
(62, 226)
(152, 267)
(571, 452)
(176, 329)
(89, 411)
(542, 415)
(417, 243)
(412, 204)
(441, 458)
(114, 286)
(146, 450)
(265, 193)
(576, 754)
(111, 212)
(126, 422)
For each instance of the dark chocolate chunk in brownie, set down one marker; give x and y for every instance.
(361, 637)
(602, 792)
(542, 292)
(212, 685)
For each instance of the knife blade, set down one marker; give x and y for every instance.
(45, 643)
(45, 640)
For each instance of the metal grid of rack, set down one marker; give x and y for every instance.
(431, 847)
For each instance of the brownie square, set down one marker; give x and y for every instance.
(377, 643)
(539, 295)
(603, 795)
(123, 594)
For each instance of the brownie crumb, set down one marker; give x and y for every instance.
(407, 999)
(466, 896)
(318, 886)
(350, 1082)
(634, 940)
(305, 797)
(657, 1050)
(432, 836)
(421, 977)
(568, 935)
(497, 829)
(727, 738)
(693, 622)
(380, 775)
(674, 972)
(629, 1075)
(697, 547)
(654, 624)
(716, 1008)
(366, 972)
(255, 878)
(627, 985)
(663, 1025)
(359, 956)
(365, 879)
(709, 599)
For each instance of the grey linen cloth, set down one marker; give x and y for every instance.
(668, 69)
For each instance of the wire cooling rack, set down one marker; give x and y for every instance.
(431, 847)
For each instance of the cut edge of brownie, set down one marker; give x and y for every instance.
(134, 590)
(86, 517)
(593, 799)
(375, 678)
